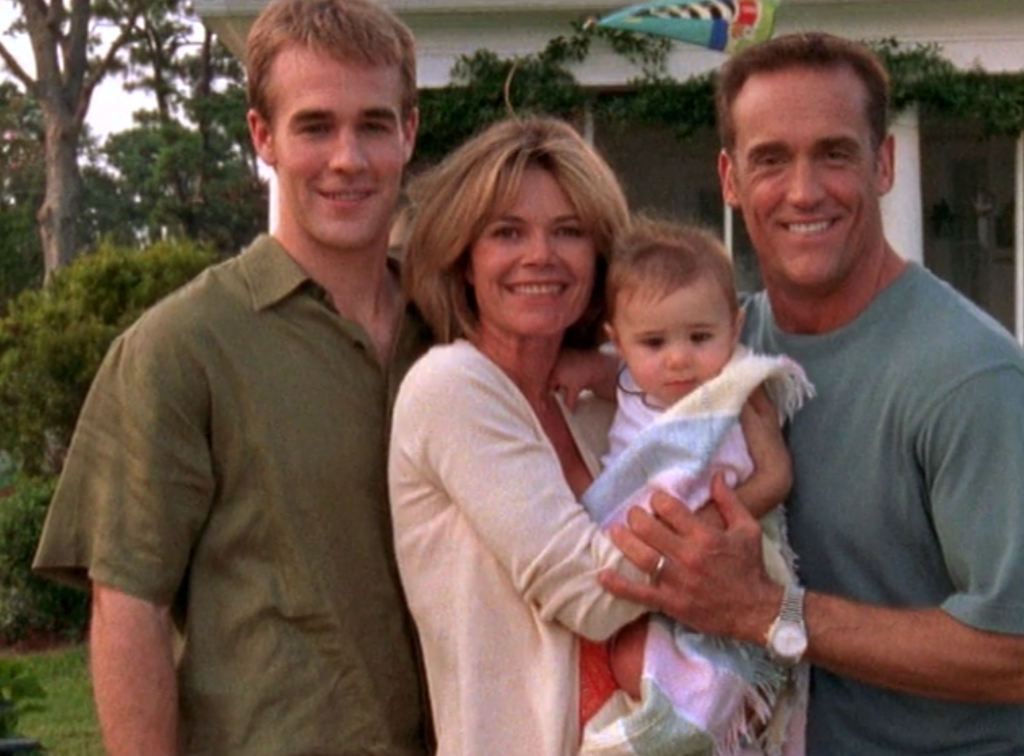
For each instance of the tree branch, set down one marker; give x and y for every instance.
(16, 70)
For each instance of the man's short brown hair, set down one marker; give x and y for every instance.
(807, 50)
(360, 32)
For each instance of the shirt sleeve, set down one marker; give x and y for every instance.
(973, 455)
(137, 483)
(463, 429)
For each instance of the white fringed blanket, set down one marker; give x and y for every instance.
(702, 695)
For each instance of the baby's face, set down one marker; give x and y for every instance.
(673, 343)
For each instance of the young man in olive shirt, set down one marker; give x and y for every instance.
(225, 493)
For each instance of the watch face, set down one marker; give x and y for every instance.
(789, 641)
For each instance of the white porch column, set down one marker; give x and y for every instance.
(1018, 243)
(902, 214)
(273, 201)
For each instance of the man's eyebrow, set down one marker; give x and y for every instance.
(381, 114)
(375, 114)
(842, 142)
(766, 148)
(305, 116)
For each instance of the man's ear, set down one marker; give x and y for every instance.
(262, 137)
(885, 167)
(410, 126)
(726, 176)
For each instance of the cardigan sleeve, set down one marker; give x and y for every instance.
(463, 432)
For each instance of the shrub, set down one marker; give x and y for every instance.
(20, 693)
(53, 339)
(31, 606)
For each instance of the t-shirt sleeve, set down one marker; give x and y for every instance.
(137, 482)
(974, 457)
(460, 429)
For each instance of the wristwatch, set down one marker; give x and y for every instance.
(787, 637)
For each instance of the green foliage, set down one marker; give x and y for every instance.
(68, 725)
(53, 339)
(20, 693)
(166, 176)
(683, 107)
(22, 176)
(31, 606)
(187, 167)
(921, 76)
(486, 88)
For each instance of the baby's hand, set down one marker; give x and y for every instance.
(773, 466)
(626, 656)
(710, 516)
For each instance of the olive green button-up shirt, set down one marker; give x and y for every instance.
(230, 462)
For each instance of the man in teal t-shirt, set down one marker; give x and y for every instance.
(907, 513)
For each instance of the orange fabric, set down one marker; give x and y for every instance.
(596, 681)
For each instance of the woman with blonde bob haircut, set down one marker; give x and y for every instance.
(457, 199)
(506, 259)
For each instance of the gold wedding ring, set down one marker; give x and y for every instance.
(658, 569)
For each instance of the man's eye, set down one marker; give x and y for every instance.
(768, 161)
(313, 128)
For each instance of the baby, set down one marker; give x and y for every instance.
(683, 395)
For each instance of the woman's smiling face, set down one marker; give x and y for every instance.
(532, 268)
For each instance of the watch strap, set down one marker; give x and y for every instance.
(792, 609)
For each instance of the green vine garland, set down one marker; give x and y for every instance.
(484, 87)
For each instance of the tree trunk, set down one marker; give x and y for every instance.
(58, 215)
(66, 75)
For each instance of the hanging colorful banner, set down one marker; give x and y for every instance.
(727, 25)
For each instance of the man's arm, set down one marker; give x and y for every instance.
(133, 674)
(715, 583)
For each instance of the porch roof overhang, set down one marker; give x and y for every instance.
(984, 33)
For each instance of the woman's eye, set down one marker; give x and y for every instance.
(505, 232)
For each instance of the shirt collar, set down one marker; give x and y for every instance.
(273, 274)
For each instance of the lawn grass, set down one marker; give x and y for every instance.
(67, 726)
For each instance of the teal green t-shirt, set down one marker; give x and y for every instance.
(909, 492)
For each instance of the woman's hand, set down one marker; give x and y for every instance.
(580, 370)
